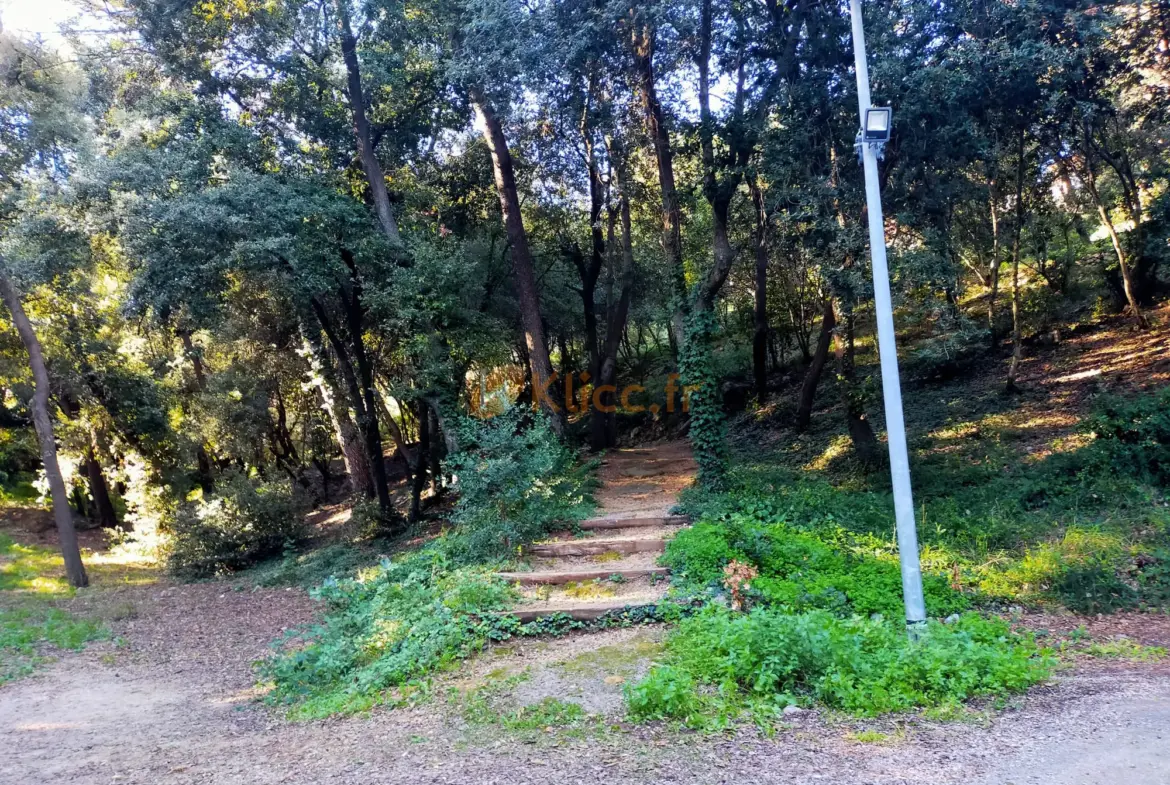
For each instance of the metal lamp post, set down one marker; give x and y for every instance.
(876, 123)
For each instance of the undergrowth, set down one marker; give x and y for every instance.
(385, 630)
(27, 634)
(1087, 528)
(721, 666)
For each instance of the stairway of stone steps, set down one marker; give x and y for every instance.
(612, 563)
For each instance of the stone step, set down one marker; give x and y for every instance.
(585, 611)
(578, 576)
(594, 524)
(597, 547)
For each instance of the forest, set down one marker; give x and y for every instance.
(398, 303)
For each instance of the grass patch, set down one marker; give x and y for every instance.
(486, 706)
(33, 628)
(869, 737)
(27, 633)
(1124, 649)
(31, 569)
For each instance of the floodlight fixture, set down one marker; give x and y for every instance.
(878, 122)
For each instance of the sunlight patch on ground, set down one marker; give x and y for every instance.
(46, 726)
(837, 448)
(1077, 377)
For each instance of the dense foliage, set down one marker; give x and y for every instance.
(241, 524)
(397, 622)
(516, 482)
(719, 664)
(798, 570)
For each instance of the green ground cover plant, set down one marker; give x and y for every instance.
(28, 633)
(721, 665)
(799, 570)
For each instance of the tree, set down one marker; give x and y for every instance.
(43, 420)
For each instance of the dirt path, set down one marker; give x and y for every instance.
(171, 700)
(173, 706)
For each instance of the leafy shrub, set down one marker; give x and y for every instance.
(768, 659)
(394, 623)
(666, 693)
(516, 481)
(957, 341)
(243, 523)
(1153, 577)
(1092, 587)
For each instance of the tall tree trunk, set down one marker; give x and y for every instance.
(420, 475)
(525, 270)
(642, 45)
(718, 192)
(351, 296)
(760, 321)
(860, 431)
(1017, 339)
(434, 451)
(353, 453)
(205, 472)
(42, 420)
(812, 377)
(1122, 261)
(590, 272)
(993, 267)
(619, 316)
(100, 491)
(361, 130)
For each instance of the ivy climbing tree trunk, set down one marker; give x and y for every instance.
(43, 422)
(522, 264)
